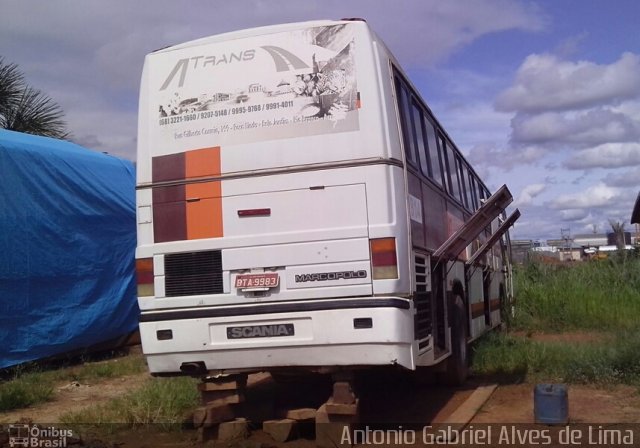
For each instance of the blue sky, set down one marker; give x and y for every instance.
(543, 96)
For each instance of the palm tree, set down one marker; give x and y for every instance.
(25, 109)
(618, 232)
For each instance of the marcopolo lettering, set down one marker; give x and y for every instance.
(330, 276)
(260, 331)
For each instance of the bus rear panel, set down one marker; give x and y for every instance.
(284, 222)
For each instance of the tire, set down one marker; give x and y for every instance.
(457, 368)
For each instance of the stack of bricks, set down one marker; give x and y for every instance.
(289, 427)
(337, 415)
(215, 419)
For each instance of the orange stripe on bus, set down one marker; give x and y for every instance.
(202, 162)
(203, 190)
(204, 200)
(204, 219)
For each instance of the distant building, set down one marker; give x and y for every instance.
(520, 250)
(523, 250)
(591, 239)
(571, 253)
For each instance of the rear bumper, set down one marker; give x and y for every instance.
(324, 335)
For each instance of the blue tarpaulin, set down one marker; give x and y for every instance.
(67, 244)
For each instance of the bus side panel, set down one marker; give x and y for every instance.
(416, 218)
(434, 216)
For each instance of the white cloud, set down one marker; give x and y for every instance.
(610, 155)
(545, 82)
(92, 58)
(574, 215)
(588, 128)
(628, 178)
(599, 195)
(437, 29)
(528, 193)
(492, 156)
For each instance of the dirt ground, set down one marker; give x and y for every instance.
(385, 400)
(75, 396)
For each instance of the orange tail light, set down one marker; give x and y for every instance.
(384, 259)
(144, 277)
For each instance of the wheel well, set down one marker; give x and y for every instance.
(458, 290)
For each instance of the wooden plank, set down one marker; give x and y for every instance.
(467, 410)
(281, 430)
(301, 414)
(210, 386)
(220, 397)
(334, 408)
(237, 429)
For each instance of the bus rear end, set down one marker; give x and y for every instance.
(269, 233)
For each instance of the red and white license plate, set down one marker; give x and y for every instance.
(245, 281)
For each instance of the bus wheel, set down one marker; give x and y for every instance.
(457, 368)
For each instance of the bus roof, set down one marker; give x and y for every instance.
(250, 32)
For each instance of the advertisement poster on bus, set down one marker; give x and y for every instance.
(270, 87)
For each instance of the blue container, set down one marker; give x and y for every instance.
(551, 404)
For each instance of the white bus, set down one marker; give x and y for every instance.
(300, 207)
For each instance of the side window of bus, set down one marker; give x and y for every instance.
(459, 172)
(445, 163)
(466, 184)
(474, 191)
(477, 193)
(452, 171)
(433, 151)
(405, 120)
(418, 127)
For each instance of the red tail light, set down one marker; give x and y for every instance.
(144, 276)
(383, 258)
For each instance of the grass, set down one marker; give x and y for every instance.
(607, 362)
(24, 391)
(161, 401)
(35, 383)
(596, 295)
(596, 298)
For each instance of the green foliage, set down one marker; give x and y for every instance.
(597, 298)
(25, 109)
(608, 361)
(162, 401)
(603, 295)
(24, 391)
(32, 384)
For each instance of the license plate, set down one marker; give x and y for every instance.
(260, 331)
(246, 281)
